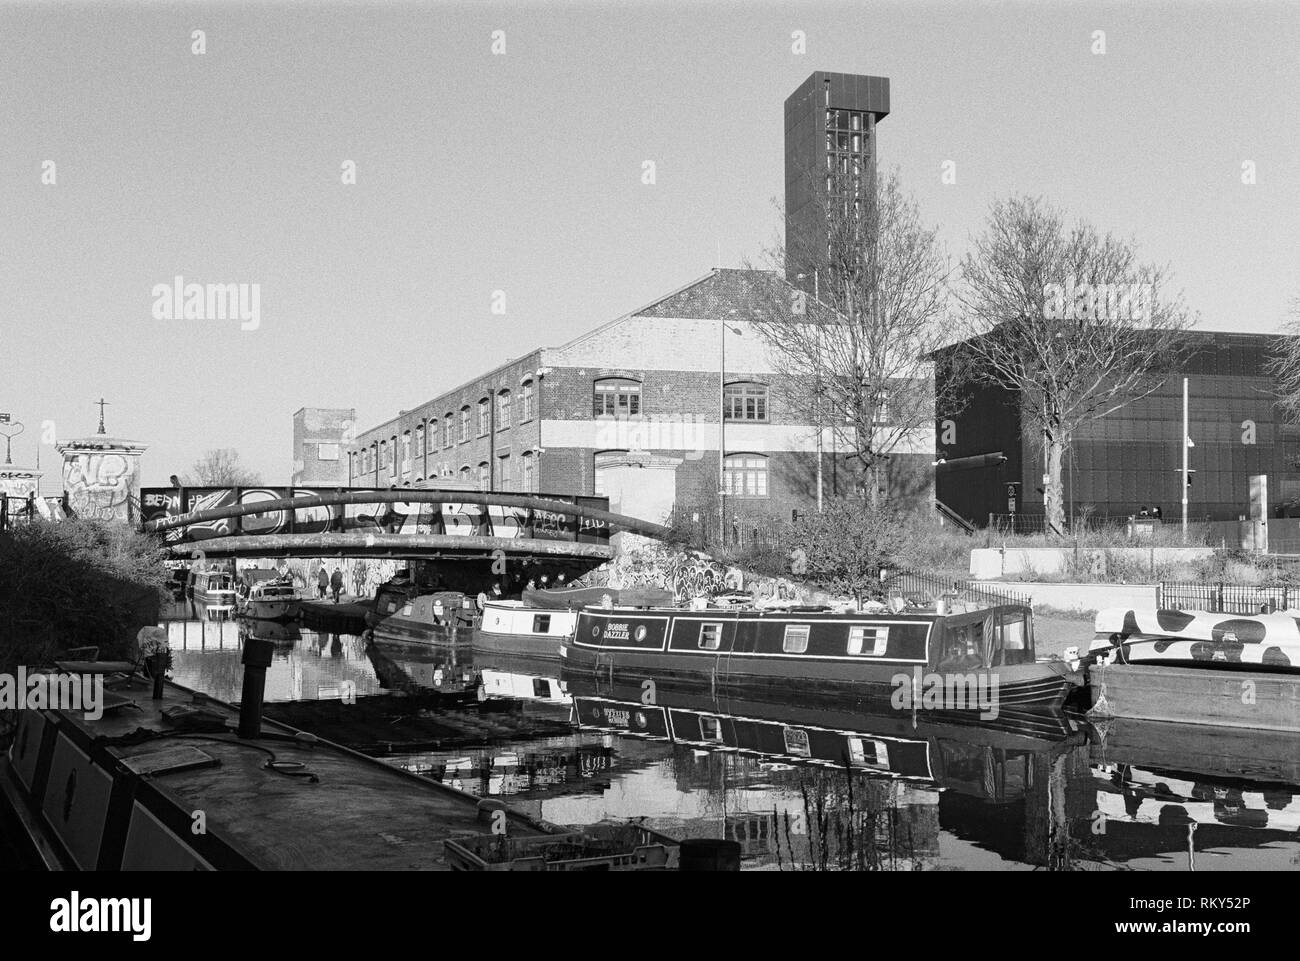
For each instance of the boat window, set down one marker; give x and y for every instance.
(869, 753)
(710, 636)
(868, 641)
(710, 727)
(541, 687)
(1013, 633)
(797, 741)
(541, 623)
(796, 639)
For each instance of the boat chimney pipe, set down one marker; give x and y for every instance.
(256, 659)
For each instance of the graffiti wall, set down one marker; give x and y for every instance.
(101, 484)
(449, 517)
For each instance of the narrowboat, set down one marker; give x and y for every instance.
(934, 657)
(216, 589)
(1255, 642)
(515, 628)
(267, 595)
(438, 617)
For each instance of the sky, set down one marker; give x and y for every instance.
(521, 172)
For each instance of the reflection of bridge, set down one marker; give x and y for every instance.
(271, 522)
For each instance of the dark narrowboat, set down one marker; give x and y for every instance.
(930, 658)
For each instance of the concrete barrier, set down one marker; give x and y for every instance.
(994, 562)
(1084, 598)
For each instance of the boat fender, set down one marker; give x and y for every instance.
(306, 739)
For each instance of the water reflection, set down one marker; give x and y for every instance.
(812, 787)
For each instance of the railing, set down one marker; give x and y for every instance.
(931, 587)
(950, 515)
(1224, 598)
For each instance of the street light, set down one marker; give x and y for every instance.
(10, 433)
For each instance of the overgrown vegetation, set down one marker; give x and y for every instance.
(76, 583)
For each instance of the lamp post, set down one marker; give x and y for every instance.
(11, 429)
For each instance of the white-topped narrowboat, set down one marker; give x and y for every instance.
(266, 595)
(216, 589)
(510, 627)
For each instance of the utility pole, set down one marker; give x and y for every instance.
(1186, 438)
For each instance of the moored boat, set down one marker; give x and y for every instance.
(512, 627)
(924, 657)
(403, 615)
(1253, 642)
(216, 589)
(267, 595)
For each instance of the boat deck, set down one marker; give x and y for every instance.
(358, 813)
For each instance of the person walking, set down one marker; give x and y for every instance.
(336, 584)
(322, 582)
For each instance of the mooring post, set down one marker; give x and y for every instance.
(256, 659)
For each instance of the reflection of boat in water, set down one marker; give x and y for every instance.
(448, 670)
(280, 633)
(532, 690)
(973, 758)
(267, 595)
(817, 651)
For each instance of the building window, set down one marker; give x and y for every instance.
(503, 473)
(882, 407)
(432, 436)
(447, 428)
(526, 401)
(605, 460)
(745, 475)
(406, 452)
(466, 476)
(383, 454)
(617, 398)
(744, 402)
(796, 639)
(419, 440)
(392, 457)
(527, 471)
(503, 410)
(484, 477)
(484, 417)
(464, 424)
(327, 451)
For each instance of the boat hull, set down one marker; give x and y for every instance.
(516, 630)
(269, 610)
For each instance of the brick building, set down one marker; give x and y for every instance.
(320, 436)
(631, 410)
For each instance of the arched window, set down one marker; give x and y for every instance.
(447, 428)
(745, 401)
(484, 476)
(617, 397)
(528, 472)
(503, 409)
(392, 456)
(419, 439)
(432, 436)
(383, 454)
(526, 401)
(406, 452)
(464, 424)
(484, 417)
(605, 460)
(745, 475)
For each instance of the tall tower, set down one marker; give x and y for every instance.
(830, 126)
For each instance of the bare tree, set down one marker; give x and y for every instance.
(1284, 366)
(221, 468)
(856, 355)
(1069, 321)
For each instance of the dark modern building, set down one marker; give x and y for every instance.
(830, 124)
(1133, 458)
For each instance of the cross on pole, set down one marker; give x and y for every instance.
(102, 404)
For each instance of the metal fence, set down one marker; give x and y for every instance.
(1225, 598)
(932, 587)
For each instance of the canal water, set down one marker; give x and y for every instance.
(799, 786)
